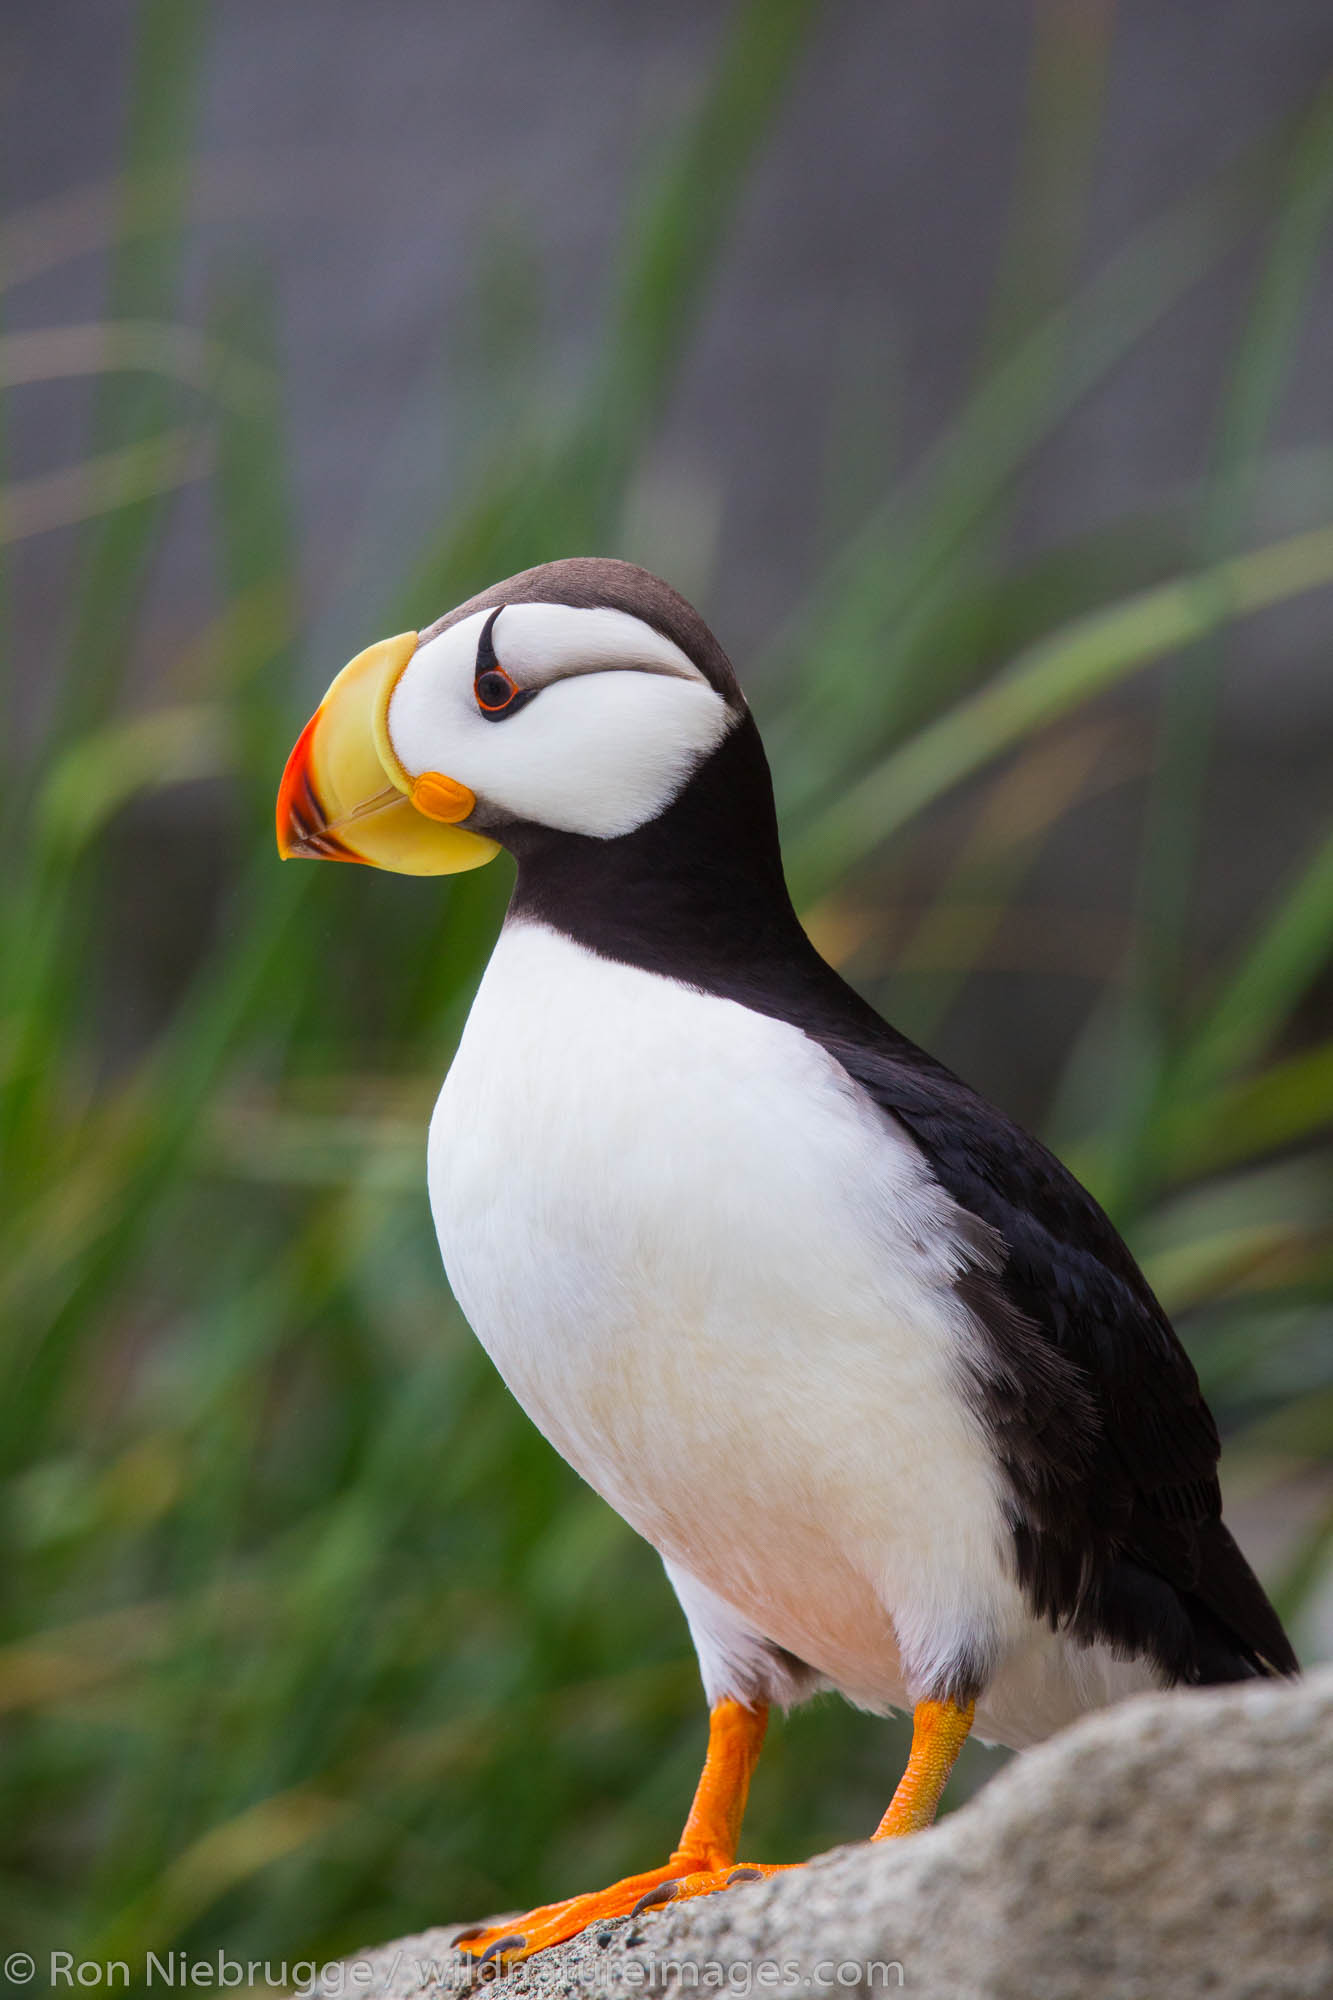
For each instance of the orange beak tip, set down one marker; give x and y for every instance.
(302, 831)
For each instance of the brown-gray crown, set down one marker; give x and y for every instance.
(589, 583)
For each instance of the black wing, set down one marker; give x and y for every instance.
(1109, 1448)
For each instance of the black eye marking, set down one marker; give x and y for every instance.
(497, 695)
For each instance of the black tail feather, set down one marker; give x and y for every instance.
(1232, 1615)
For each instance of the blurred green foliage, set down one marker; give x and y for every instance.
(307, 1639)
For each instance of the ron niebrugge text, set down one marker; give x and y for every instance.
(180, 1970)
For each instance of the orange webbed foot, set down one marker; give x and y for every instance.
(555, 1923)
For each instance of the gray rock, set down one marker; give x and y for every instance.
(1177, 1845)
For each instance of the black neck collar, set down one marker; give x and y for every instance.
(697, 894)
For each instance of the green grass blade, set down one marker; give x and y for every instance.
(868, 613)
(567, 501)
(1052, 678)
(169, 41)
(1292, 948)
(1262, 363)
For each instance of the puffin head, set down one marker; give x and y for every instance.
(578, 698)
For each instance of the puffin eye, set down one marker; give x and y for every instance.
(495, 691)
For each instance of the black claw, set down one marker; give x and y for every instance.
(663, 1893)
(472, 1931)
(745, 1873)
(514, 1943)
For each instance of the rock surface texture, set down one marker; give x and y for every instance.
(1178, 1845)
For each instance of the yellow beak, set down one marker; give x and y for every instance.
(345, 797)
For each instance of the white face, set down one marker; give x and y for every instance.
(617, 720)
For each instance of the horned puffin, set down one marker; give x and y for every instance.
(857, 1354)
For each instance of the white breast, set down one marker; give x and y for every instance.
(719, 1280)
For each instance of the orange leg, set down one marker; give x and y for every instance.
(939, 1731)
(705, 1859)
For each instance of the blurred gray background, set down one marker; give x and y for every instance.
(390, 161)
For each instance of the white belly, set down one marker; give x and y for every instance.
(720, 1283)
